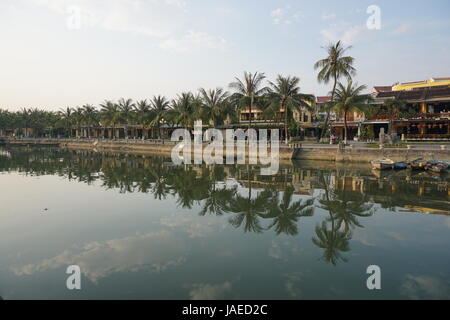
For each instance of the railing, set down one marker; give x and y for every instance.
(428, 137)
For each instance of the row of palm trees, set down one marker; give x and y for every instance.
(215, 106)
(275, 99)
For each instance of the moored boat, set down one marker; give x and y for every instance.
(437, 167)
(400, 165)
(382, 164)
(418, 164)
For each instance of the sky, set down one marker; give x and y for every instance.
(59, 53)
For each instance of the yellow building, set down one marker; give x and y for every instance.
(433, 82)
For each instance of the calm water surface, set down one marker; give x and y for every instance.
(142, 228)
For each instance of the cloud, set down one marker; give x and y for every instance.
(281, 16)
(195, 228)
(156, 18)
(160, 19)
(193, 40)
(277, 15)
(291, 284)
(206, 291)
(404, 28)
(155, 252)
(348, 35)
(425, 287)
(328, 16)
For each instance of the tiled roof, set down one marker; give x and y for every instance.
(382, 88)
(441, 79)
(323, 99)
(421, 94)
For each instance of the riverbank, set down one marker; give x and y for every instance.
(298, 151)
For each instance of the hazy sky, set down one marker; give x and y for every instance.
(57, 53)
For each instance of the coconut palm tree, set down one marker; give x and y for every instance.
(143, 114)
(110, 115)
(185, 108)
(90, 116)
(350, 99)
(285, 95)
(126, 108)
(159, 105)
(248, 90)
(78, 119)
(213, 104)
(67, 118)
(335, 66)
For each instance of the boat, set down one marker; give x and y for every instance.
(418, 164)
(382, 164)
(436, 167)
(400, 165)
(447, 163)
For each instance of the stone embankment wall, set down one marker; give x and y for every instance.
(300, 152)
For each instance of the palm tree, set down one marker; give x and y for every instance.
(24, 116)
(78, 119)
(285, 95)
(110, 115)
(90, 116)
(350, 99)
(126, 108)
(333, 67)
(143, 113)
(185, 109)
(213, 104)
(67, 118)
(248, 89)
(160, 105)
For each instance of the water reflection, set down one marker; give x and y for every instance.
(252, 203)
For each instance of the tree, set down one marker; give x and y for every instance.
(160, 105)
(213, 104)
(126, 108)
(67, 118)
(110, 115)
(78, 119)
(185, 108)
(143, 114)
(248, 90)
(285, 95)
(350, 99)
(90, 116)
(333, 67)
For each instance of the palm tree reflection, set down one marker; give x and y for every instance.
(285, 213)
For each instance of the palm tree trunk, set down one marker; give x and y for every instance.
(250, 112)
(159, 130)
(327, 118)
(345, 127)
(286, 124)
